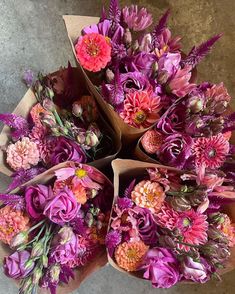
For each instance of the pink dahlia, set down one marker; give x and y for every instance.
(136, 19)
(218, 93)
(11, 223)
(193, 228)
(23, 154)
(210, 152)
(140, 109)
(167, 217)
(179, 84)
(93, 51)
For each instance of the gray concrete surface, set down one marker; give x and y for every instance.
(32, 35)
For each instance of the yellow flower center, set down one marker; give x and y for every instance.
(92, 48)
(7, 231)
(140, 117)
(131, 253)
(165, 48)
(80, 173)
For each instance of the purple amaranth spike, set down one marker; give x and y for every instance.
(15, 201)
(103, 14)
(129, 189)
(198, 53)
(17, 123)
(158, 29)
(114, 11)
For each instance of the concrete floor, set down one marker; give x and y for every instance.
(32, 35)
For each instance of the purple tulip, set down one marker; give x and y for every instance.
(62, 208)
(161, 268)
(15, 265)
(176, 150)
(67, 150)
(146, 225)
(35, 198)
(195, 271)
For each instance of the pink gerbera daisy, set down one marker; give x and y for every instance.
(93, 51)
(140, 109)
(193, 228)
(210, 152)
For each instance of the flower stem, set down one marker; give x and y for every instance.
(36, 226)
(57, 117)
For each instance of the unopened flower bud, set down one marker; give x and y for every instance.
(48, 104)
(63, 130)
(29, 264)
(109, 75)
(216, 218)
(38, 87)
(77, 109)
(26, 285)
(44, 261)
(65, 235)
(55, 273)
(95, 129)
(180, 203)
(93, 193)
(50, 93)
(127, 37)
(91, 139)
(167, 241)
(81, 138)
(195, 104)
(55, 132)
(89, 219)
(155, 67)
(48, 120)
(37, 250)
(135, 46)
(216, 235)
(163, 77)
(19, 239)
(37, 274)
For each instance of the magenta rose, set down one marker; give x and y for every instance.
(161, 268)
(198, 272)
(35, 198)
(62, 208)
(67, 150)
(176, 150)
(63, 253)
(14, 265)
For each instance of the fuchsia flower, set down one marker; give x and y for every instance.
(195, 271)
(161, 268)
(136, 19)
(23, 154)
(210, 152)
(140, 109)
(93, 51)
(167, 217)
(112, 240)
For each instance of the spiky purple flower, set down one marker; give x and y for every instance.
(124, 203)
(113, 239)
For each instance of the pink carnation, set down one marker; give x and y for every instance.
(93, 51)
(23, 154)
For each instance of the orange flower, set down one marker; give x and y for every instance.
(11, 223)
(35, 112)
(79, 193)
(149, 195)
(228, 229)
(130, 255)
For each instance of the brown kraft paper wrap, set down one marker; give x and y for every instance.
(80, 274)
(74, 25)
(125, 171)
(73, 78)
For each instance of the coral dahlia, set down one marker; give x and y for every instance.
(130, 255)
(140, 109)
(93, 51)
(167, 217)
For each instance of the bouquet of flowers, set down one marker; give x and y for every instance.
(139, 73)
(62, 123)
(168, 226)
(55, 224)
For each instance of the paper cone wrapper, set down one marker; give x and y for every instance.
(127, 170)
(77, 85)
(74, 25)
(81, 273)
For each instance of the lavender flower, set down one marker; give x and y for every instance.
(113, 239)
(137, 20)
(28, 78)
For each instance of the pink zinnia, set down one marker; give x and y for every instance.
(179, 84)
(23, 154)
(193, 228)
(93, 51)
(140, 109)
(210, 152)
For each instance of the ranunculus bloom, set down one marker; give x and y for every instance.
(35, 198)
(62, 208)
(195, 271)
(67, 150)
(64, 253)
(23, 154)
(93, 51)
(175, 150)
(14, 265)
(161, 268)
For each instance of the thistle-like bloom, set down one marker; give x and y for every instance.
(210, 152)
(136, 19)
(130, 255)
(140, 109)
(152, 141)
(149, 195)
(93, 51)
(180, 84)
(193, 228)
(11, 223)
(23, 154)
